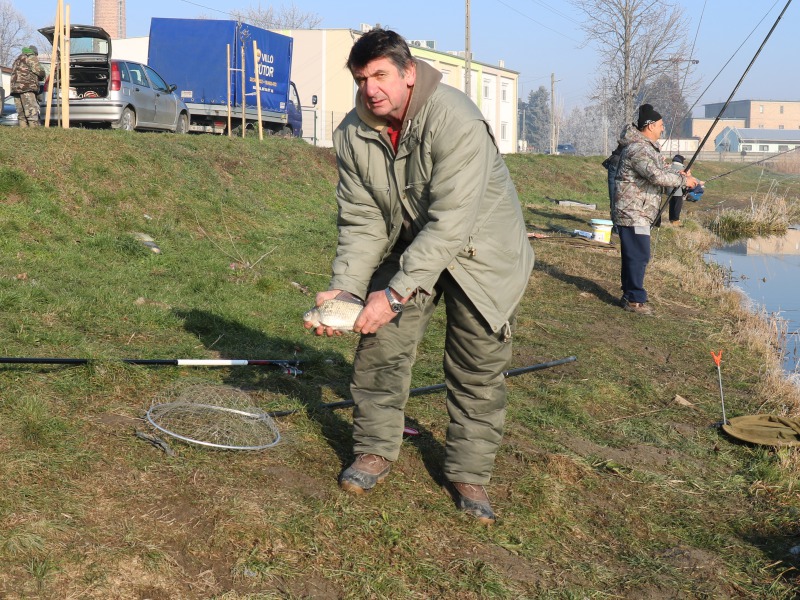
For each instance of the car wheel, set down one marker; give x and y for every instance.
(127, 122)
(182, 126)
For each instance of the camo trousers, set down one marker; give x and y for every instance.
(474, 361)
(27, 109)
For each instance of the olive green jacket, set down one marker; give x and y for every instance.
(449, 184)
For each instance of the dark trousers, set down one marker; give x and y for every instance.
(635, 251)
(675, 207)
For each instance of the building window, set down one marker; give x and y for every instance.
(761, 108)
(503, 131)
(783, 148)
(504, 94)
(761, 126)
(747, 147)
(763, 148)
(781, 108)
(486, 91)
(780, 126)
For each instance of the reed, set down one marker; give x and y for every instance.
(773, 214)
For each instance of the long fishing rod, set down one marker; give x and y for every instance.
(290, 366)
(750, 164)
(725, 106)
(433, 388)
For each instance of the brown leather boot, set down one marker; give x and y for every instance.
(473, 500)
(365, 473)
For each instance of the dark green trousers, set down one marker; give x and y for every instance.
(474, 361)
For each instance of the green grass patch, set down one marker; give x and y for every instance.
(605, 486)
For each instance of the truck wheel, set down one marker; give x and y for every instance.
(127, 122)
(182, 125)
(285, 130)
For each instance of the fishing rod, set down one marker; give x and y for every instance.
(289, 366)
(725, 106)
(433, 388)
(752, 163)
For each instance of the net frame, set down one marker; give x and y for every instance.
(214, 416)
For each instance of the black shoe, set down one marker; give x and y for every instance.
(365, 473)
(473, 500)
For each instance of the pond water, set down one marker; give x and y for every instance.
(767, 270)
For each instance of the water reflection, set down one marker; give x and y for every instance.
(767, 270)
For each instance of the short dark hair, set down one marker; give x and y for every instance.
(379, 43)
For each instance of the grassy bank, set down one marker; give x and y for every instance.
(605, 485)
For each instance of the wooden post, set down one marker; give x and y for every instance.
(244, 90)
(256, 61)
(54, 65)
(229, 90)
(65, 56)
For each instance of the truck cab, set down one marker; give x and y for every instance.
(294, 120)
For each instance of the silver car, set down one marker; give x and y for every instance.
(122, 94)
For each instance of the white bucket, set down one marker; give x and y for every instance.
(601, 230)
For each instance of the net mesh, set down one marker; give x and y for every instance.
(213, 415)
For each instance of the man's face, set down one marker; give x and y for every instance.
(654, 130)
(384, 90)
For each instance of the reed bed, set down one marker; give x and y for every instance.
(772, 214)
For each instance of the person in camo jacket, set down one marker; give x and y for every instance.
(26, 73)
(640, 178)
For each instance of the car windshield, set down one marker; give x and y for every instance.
(88, 45)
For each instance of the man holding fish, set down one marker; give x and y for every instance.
(427, 212)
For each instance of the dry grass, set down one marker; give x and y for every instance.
(772, 214)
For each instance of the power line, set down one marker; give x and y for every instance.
(537, 22)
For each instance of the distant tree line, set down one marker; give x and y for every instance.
(644, 57)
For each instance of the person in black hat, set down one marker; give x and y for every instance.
(641, 175)
(676, 197)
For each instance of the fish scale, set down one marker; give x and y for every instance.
(341, 315)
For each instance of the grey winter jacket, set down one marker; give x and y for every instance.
(449, 184)
(641, 176)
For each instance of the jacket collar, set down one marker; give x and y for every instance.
(427, 80)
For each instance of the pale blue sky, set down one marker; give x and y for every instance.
(534, 37)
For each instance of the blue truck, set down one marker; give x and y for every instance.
(203, 58)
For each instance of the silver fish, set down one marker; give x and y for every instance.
(336, 313)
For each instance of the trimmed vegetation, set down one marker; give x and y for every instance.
(607, 485)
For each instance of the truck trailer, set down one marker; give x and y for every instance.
(210, 60)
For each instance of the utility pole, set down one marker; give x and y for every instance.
(467, 56)
(676, 61)
(552, 113)
(605, 121)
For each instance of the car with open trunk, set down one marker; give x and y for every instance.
(122, 94)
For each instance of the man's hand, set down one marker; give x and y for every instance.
(376, 313)
(691, 181)
(318, 300)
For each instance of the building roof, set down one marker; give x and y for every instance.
(753, 134)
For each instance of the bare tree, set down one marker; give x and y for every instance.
(633, 38)
(14, 32)
(286, 17)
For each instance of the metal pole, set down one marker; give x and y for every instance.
(467, 55)
(433, 388)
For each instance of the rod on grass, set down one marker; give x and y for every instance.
(433, 388)
(289, 365)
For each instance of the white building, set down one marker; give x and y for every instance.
(757, 140)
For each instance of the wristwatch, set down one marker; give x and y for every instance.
(396, 305)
